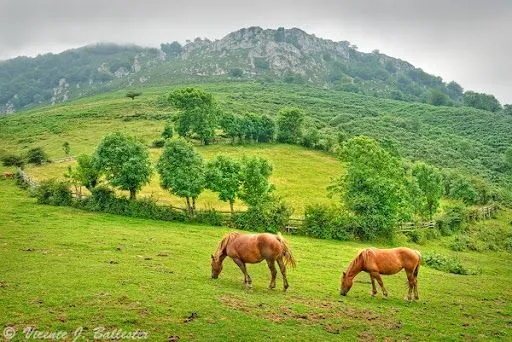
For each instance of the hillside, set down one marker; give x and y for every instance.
(63, 268)
(282, 55)
(469, 140)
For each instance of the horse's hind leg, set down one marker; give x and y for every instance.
(374, 288)
(283, 272)
(247, 278)
(273, 271)
(412, 282)
(377, 276)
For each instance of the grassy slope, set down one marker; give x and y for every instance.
(450, 137)
(63, 268)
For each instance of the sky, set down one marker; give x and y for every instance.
(463, 40)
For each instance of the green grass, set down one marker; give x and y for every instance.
(62, 268)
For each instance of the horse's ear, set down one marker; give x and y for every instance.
(344, 274)
(212, 256)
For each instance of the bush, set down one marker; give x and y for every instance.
(158, 143)
(13, 160)
(36, 156)
(452, 219)
(416, 236)
(324, 223)
(269, 216)
(53, 192)
(446, 264)
(210, 216)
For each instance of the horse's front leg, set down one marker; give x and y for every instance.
(283, 272)
(273, 271)
(374, 288)
(377, 276)
(247, 278)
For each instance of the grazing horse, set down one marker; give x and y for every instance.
(8, 174)
(252, 249)
(384, 261)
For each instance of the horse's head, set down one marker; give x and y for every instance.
(346, 284)
(216, 267)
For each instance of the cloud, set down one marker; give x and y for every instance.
(462, 40)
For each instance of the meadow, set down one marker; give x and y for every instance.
(63, 268)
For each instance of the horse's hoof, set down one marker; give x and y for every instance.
(373, 293)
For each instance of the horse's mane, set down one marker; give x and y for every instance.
(224, 243)
(361, 257)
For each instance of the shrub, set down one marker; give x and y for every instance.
(158, 143)
(270, 216)
(416, 236)
(210, 216)
(36, 156)
(446, 264)
(53, 192)
(452, 219)
(324, 223)
(13, 160)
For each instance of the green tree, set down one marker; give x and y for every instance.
(430, 182)
(36, 156)
(438, 98)
(463, 190)
(66, 148)
(266, 129)
(507, 109)
(181, 171)
(198, 113)
(455, 91)
(124, 161)
(508, 158)
(13, 160)
(223, 176)
(373, 187)
(481, 101)
(230, 124)
(256, 187)
(168, 132)
(289, 125)
(86, 173)
(133, 94)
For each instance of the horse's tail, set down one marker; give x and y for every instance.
(287, 253)
(417, 268)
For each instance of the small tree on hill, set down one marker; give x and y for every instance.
(86, 172)
(289, 125)
(168, 132)
(198, 113)
(430, 182)
(66, 148)
(124, 161)
(223, 176)
(133, 94)
(13, 160)
(181, 171)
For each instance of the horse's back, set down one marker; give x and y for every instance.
(390, 261)
(253, 248)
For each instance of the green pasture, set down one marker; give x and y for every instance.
(63, 268)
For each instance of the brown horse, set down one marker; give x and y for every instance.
(384, 261)
(252, 249)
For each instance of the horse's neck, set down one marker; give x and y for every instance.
(355, 267)
(222, 250)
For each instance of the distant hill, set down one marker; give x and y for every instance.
(282, 55)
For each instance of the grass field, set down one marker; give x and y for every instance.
(62, 269)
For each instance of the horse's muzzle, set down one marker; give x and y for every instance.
(214, 276)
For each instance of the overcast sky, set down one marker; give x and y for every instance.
(467, 41)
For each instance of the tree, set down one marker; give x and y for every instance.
(198, 113)
(507, 109)
(256, 187)
(181, 171)
(133, 94)
(430, 182)
(373, 187)
(86, 172)
(168, 132)
(124, 161)
(481, 101)
(172, 50)
(438, 98)
(13, 160)
(66, 148)
(455, 91)
(266, 129)
(463, 190)
(230, 123)
(36, 156)
(289, 123)
(508, 158)
(223, 176)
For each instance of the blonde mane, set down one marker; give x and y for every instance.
(361, 257)
(224, 243)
